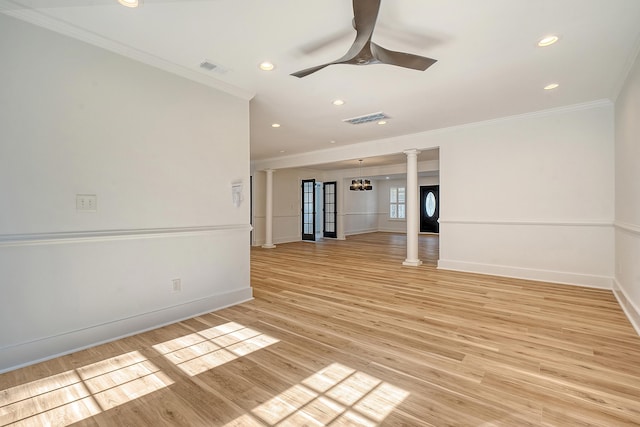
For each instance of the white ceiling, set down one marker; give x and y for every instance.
(488, 63)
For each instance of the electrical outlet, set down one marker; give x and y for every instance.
(86, 202)
(177, 285)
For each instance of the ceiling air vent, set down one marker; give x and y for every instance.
(210, 66)
(373, 117)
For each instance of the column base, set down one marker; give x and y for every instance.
(412, 262)
(268, 246)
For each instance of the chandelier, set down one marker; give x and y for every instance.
(360, 184)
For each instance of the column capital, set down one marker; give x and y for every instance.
(269, 170)
(412, 151)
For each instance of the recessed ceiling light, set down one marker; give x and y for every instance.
(387, 178)
(551, 86)
(547, 41)
(338, 102)
(130, 3)
(266, 66)
(382, 122)
(332, 142)
(282, 151)
(275, 125)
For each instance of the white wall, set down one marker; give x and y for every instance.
(384, 222)
(360, 209)
(627, 215)
(287, 193)
(159, 151)
(531, 197)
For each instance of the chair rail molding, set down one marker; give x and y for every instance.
(108, 235)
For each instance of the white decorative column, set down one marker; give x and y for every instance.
(411, 198)
(268, 221)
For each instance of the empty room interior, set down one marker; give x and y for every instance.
(338, 212)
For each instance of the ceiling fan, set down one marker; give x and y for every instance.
(365, 52)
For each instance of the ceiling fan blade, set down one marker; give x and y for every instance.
(401, 59)
(328, 41)
(363, 51)
(365, 14)
(307, 71)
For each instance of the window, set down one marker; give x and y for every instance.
(396, 202)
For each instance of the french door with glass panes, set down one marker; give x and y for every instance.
(308, 209)
(330, 211)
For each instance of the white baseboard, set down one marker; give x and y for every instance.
(577, 279)
(391, 230)
(364, 231)
(287, 239)
(27, 353)
(279, 241)
(629, 308)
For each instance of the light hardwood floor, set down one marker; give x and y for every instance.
(340, 333)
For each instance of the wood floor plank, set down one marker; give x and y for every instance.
(341, 333)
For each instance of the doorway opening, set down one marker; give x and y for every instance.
(319, 210)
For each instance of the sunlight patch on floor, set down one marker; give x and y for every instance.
(204, 350)
(336, 395)
(121, 379)
(71, 396)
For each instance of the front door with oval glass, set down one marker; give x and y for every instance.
(429, 208)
